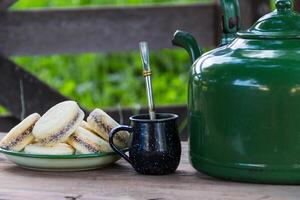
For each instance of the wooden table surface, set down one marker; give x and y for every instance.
(120, 182)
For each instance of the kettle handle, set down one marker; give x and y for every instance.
(231, 20)
(231, 16)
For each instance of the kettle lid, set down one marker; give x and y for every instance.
(283, 23)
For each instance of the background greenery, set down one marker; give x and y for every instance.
(109, 80)
(25, 4)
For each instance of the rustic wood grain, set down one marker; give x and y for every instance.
(121, 182)
(297, 5)
(22, 93)
(7, 122)
(260, 8)
(37, 32)
(252, 10)
(5, 4)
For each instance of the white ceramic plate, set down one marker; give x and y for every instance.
(77, 162)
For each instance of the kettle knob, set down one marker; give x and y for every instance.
(284, 5)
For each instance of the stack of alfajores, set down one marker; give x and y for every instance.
(63, 131)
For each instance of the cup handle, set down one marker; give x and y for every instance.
(111, 140)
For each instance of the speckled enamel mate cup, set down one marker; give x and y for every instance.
(155, 144)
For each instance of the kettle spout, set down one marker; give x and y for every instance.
(188, 42)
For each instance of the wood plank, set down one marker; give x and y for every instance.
(120, 181)
(252, 10)
(22, 93)
(246, 14)
(7, 123)
(218, 22)
(37, 32)
(5, 4)
(297, 5)
(260, 8)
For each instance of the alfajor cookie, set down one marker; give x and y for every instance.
(58, 123)
(58, 149)
(21, 135)
(86, 126)
(86, 142)
(102, 124)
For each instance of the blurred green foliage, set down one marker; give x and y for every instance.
(25, 4)
(105, 80)
(108, 80)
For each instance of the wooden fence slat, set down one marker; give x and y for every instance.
(5, 4)
(7, 122)
(22, 93)
(297, 5)
(37, 32)
(252, 10)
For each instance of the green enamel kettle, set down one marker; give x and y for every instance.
(244, 98)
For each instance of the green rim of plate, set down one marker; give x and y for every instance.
(23, 154)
